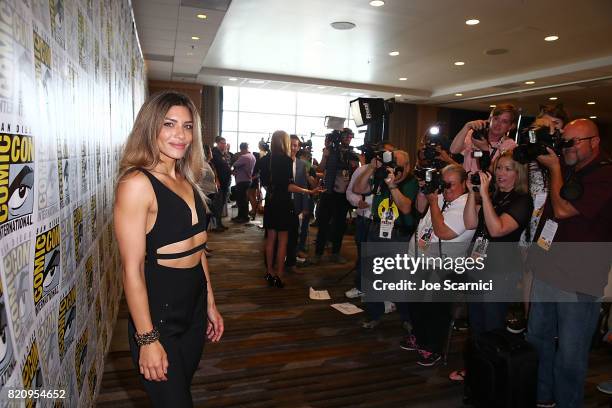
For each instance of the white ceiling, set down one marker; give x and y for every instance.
(290, 45)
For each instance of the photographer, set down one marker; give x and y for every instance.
(333, 205)
(307, 204)
(569, 278)
(394, 190)
(482, 141)
(443, 223)
(552, 117)
(501, 217)
(363, 203)
(220, 162)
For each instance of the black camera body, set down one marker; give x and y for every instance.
(482, 133)
(483, 157)
(532, 142)
(434, 183)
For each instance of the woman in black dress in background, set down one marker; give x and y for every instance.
(279, 205)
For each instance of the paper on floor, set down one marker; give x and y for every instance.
(319, 294)
(347, 308)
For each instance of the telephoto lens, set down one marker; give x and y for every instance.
(482, 133)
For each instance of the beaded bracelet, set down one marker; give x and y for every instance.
(147, 338)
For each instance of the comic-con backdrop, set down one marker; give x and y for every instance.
(71, 80)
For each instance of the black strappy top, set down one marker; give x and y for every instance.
(173, 222)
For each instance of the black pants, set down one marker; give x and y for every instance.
(241, 199)
(430, 322)
(218, 203)
(331, 218)
(177, 303)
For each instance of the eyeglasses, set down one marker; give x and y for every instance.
(572, 142)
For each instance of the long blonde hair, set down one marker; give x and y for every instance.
(520, 184)
(280, 143)
(141, 149)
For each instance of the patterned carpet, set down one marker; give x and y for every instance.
(281, 349)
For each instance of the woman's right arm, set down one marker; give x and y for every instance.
(470, 211)
(132, 203)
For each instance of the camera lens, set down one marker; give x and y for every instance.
(475, 179)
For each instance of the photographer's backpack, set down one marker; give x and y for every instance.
(501, 371)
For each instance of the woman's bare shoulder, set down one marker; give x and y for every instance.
(134, 185)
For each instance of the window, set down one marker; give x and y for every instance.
(250, 114)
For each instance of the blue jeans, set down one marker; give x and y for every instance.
(562, 370)
(362, 226)
(303, 236)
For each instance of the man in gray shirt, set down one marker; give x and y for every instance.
(243, 170)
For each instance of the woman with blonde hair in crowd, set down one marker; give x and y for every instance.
(278, 212)
(160, 218)
(499, 219)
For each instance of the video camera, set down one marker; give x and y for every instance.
(429, 155)
(533, 141)
(434, 183)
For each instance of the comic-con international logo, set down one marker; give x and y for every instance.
(31, 372)
(7, 357)
(80, 355)
(47, 266)
(16, 182)
(66, 324)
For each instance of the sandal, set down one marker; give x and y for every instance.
(457, 376)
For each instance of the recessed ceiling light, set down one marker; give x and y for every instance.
(377, 3)
(398, 95)
(256, 81)
(202, 16)
(394, 53)
(321, 87)
(233, 79)
(459, 63)
(195, 38)
(591, 103)
(458, 94)
(529, 82)
(472, 22)
(553, 98)
(403, 79)
(551, 38)
(492, 106)
(593, 117)
(343, 25)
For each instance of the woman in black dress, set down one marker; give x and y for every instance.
(278, 212)
(160, 219)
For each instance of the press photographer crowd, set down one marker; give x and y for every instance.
(532, 199)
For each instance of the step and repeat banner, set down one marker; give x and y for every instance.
(71, 80)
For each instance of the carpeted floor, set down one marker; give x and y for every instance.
(281, 349)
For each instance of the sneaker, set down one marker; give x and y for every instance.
(409, 343)
(516, 325)
(315, 260)
(337, 258)
(370, 324)
(353, 293)
(390, 307)
(427, 358)
(605, 387)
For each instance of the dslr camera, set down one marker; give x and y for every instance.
(434, 183)
(533, 141)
